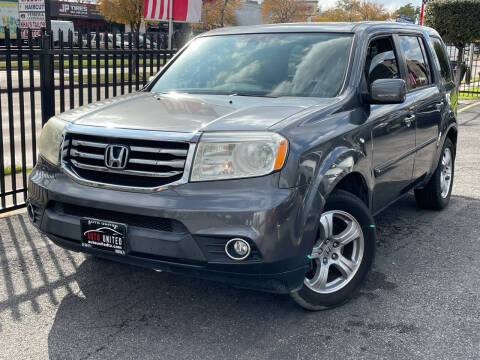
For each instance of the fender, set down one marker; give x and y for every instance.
(339, 163)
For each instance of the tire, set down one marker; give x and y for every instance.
(349, 216)
(433, 195)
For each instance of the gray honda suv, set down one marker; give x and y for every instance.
(257, 156)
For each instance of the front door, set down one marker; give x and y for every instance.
(393, 128)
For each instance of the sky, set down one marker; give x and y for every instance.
(391, 5)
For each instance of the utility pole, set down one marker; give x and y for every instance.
(170, 24)
(48, 18)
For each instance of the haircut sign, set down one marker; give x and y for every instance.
(31, 14)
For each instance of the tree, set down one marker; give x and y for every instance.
(218, 13)
(370, 10)
(457, 22)
(128, 12)
(282, 11)
(354, 10)
(346, 5)
(408, 10)
(337, 15)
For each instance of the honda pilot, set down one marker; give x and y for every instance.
(257, 156)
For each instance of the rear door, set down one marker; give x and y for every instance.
(426, 95)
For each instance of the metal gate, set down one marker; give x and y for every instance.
(45, 76)
(469, 72)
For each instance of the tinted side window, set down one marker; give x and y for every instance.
(417, 70)
(445, 73)
(381, 62)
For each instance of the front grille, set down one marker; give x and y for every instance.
(149, 163)
(147, 222)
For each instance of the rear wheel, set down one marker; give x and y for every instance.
(436, 194)
(342, 254)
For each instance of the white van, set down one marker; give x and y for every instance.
(61, 25)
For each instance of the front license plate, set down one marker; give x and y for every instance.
(105, 235)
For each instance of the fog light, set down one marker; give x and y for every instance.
(237, 249)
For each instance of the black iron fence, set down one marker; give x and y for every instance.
(45, 76)
(468, 71)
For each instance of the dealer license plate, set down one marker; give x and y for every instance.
(105, 235)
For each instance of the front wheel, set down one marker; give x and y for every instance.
(342, 254)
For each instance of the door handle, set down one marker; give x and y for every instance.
(409, 119)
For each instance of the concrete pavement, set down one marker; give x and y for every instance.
(420, 301)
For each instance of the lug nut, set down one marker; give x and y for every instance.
(335, 244)
(334, 256)
(325, 260)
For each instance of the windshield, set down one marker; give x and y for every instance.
(284, 64)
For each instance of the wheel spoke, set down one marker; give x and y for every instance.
(316, 251)
(319, 280)
(350, 233)
(447, 157)
(327, 223)
(345, 266)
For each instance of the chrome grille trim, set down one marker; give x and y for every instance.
(175, 164)
(126, 172)
(178, 166)
(81, 154)
(88, 144)
(159, 151)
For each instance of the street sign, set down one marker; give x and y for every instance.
(31, 5)
(31, 14)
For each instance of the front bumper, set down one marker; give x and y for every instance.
(183, 229)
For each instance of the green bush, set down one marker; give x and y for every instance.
(457, 21)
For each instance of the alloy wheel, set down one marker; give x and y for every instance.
(337, 254)
(446, 172)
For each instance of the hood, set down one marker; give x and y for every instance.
(189, 113)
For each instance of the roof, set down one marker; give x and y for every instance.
(338, 27)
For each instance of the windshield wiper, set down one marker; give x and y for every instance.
(214, 92)
(244, 93)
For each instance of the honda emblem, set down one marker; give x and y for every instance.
(116, 157)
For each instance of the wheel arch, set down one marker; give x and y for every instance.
(355, 183)
(347, 169)
(452, 134)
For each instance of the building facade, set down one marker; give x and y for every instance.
(250, 13)
(84, 15)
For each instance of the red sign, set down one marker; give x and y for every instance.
(182, 10)
(35, 33)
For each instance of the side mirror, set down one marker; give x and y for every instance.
(387, 91)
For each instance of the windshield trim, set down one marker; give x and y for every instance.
(149, 86)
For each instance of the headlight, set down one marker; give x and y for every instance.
(238, 155)
(51, 139)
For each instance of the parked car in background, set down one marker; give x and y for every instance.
(264, 172)
(117, 38)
